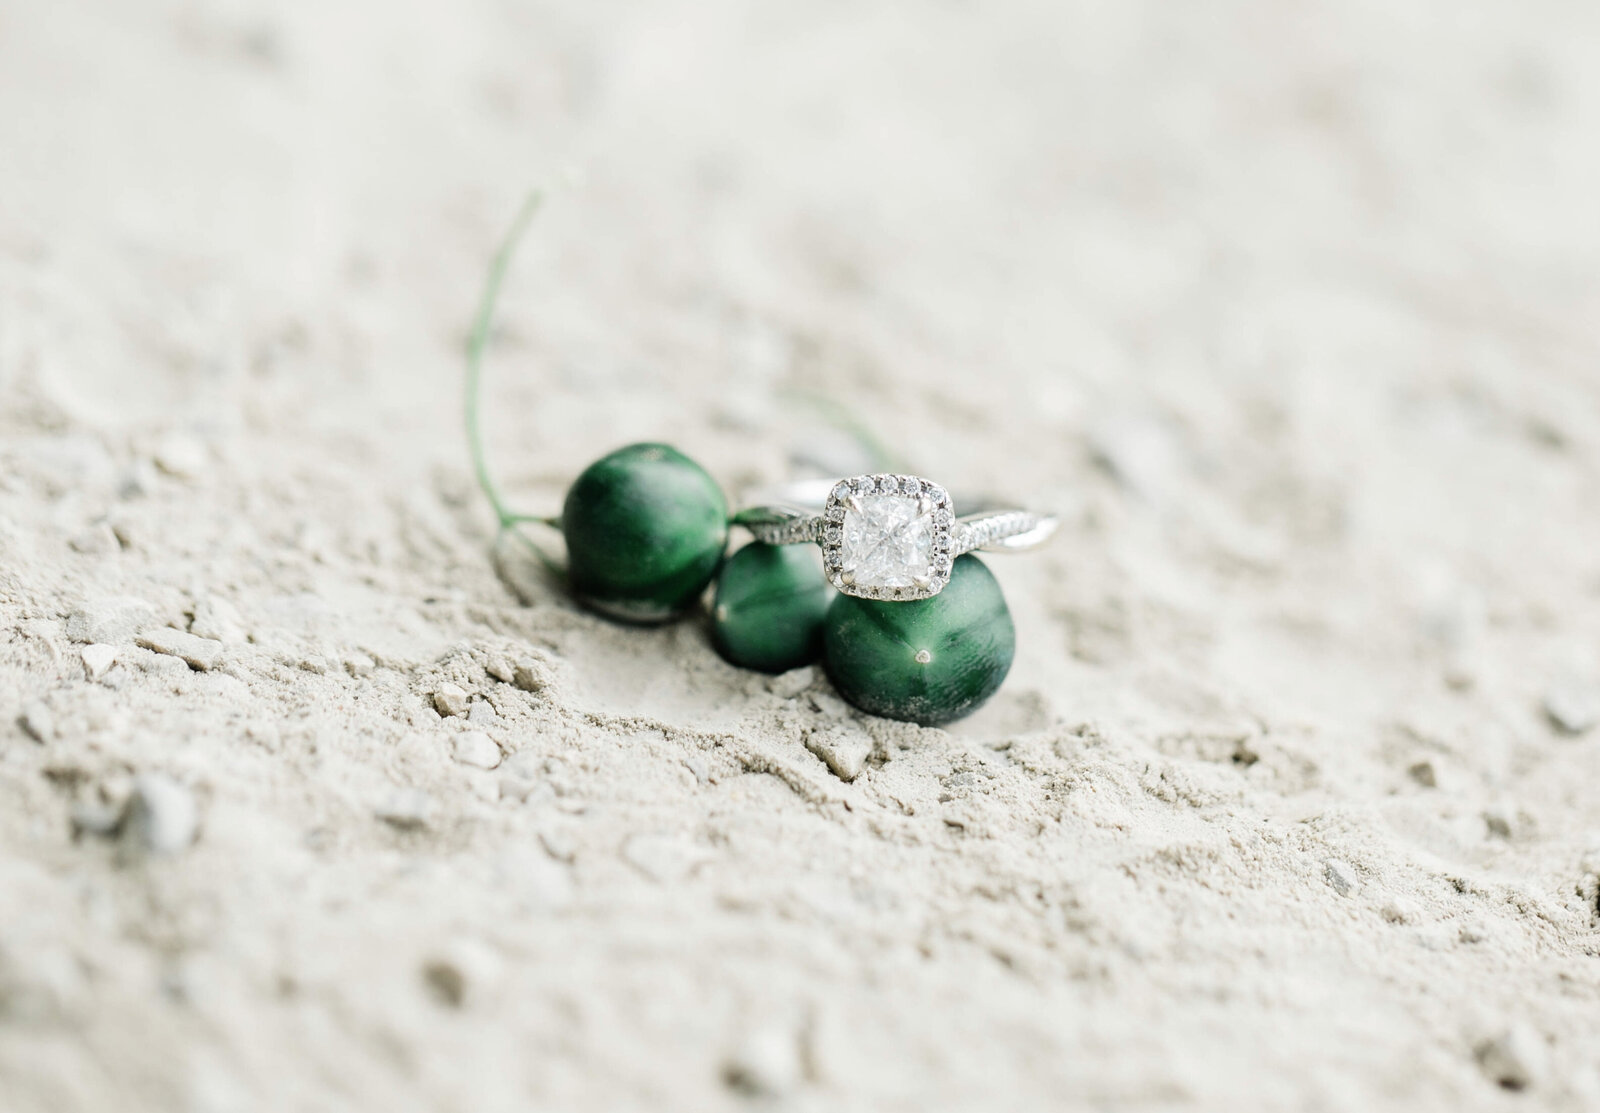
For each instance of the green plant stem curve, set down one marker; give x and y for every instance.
(476, 343)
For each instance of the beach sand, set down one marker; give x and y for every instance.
(1289, 802)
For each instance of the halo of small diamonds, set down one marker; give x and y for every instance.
(932, 516)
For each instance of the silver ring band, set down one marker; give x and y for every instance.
(890, 536)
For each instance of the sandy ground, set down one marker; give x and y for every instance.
(1290, 800)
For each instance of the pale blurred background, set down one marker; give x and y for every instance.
(1288, 308)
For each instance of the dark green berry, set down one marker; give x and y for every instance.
(769, 607)
(645, 529)
(929, 661)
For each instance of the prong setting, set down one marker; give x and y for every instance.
(907, 512)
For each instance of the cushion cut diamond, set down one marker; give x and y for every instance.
(887, 541)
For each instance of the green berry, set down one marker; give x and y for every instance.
(645, 529)
(769, 607)
(929, 661)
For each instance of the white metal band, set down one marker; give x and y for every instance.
(993, 531)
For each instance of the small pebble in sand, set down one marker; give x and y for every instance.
(359, 665)
(158, 664)
(1514, 1059)
(38, 722)
(790, 684)
(137, 481)
(1341, 876)
(98, 539)
(128, 532)
(203, 654)
(531, 676)
(98, 659)
(501, 669)
(462, 972)
(766, 1064)
(481, 711)
(450, 699)
(219, 620)
(1425, 772)
(111, 621)
(181, 456)
(475, 748)
(843, 752)
(696, 765)
(1401, 910)
(1498, 822)
(406, 808)
(161, 817)
(1573, 708)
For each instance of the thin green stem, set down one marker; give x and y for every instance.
(475, 346)
(846, 420)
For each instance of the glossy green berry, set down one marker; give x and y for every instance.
(645, 528)
(927, 661)
(769, 607)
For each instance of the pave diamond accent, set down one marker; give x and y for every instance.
(993, 527)
(888, 537)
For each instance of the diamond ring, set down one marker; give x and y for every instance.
(890, 537)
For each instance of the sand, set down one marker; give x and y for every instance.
(1287, 309)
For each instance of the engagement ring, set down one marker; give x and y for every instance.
(890, 537)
